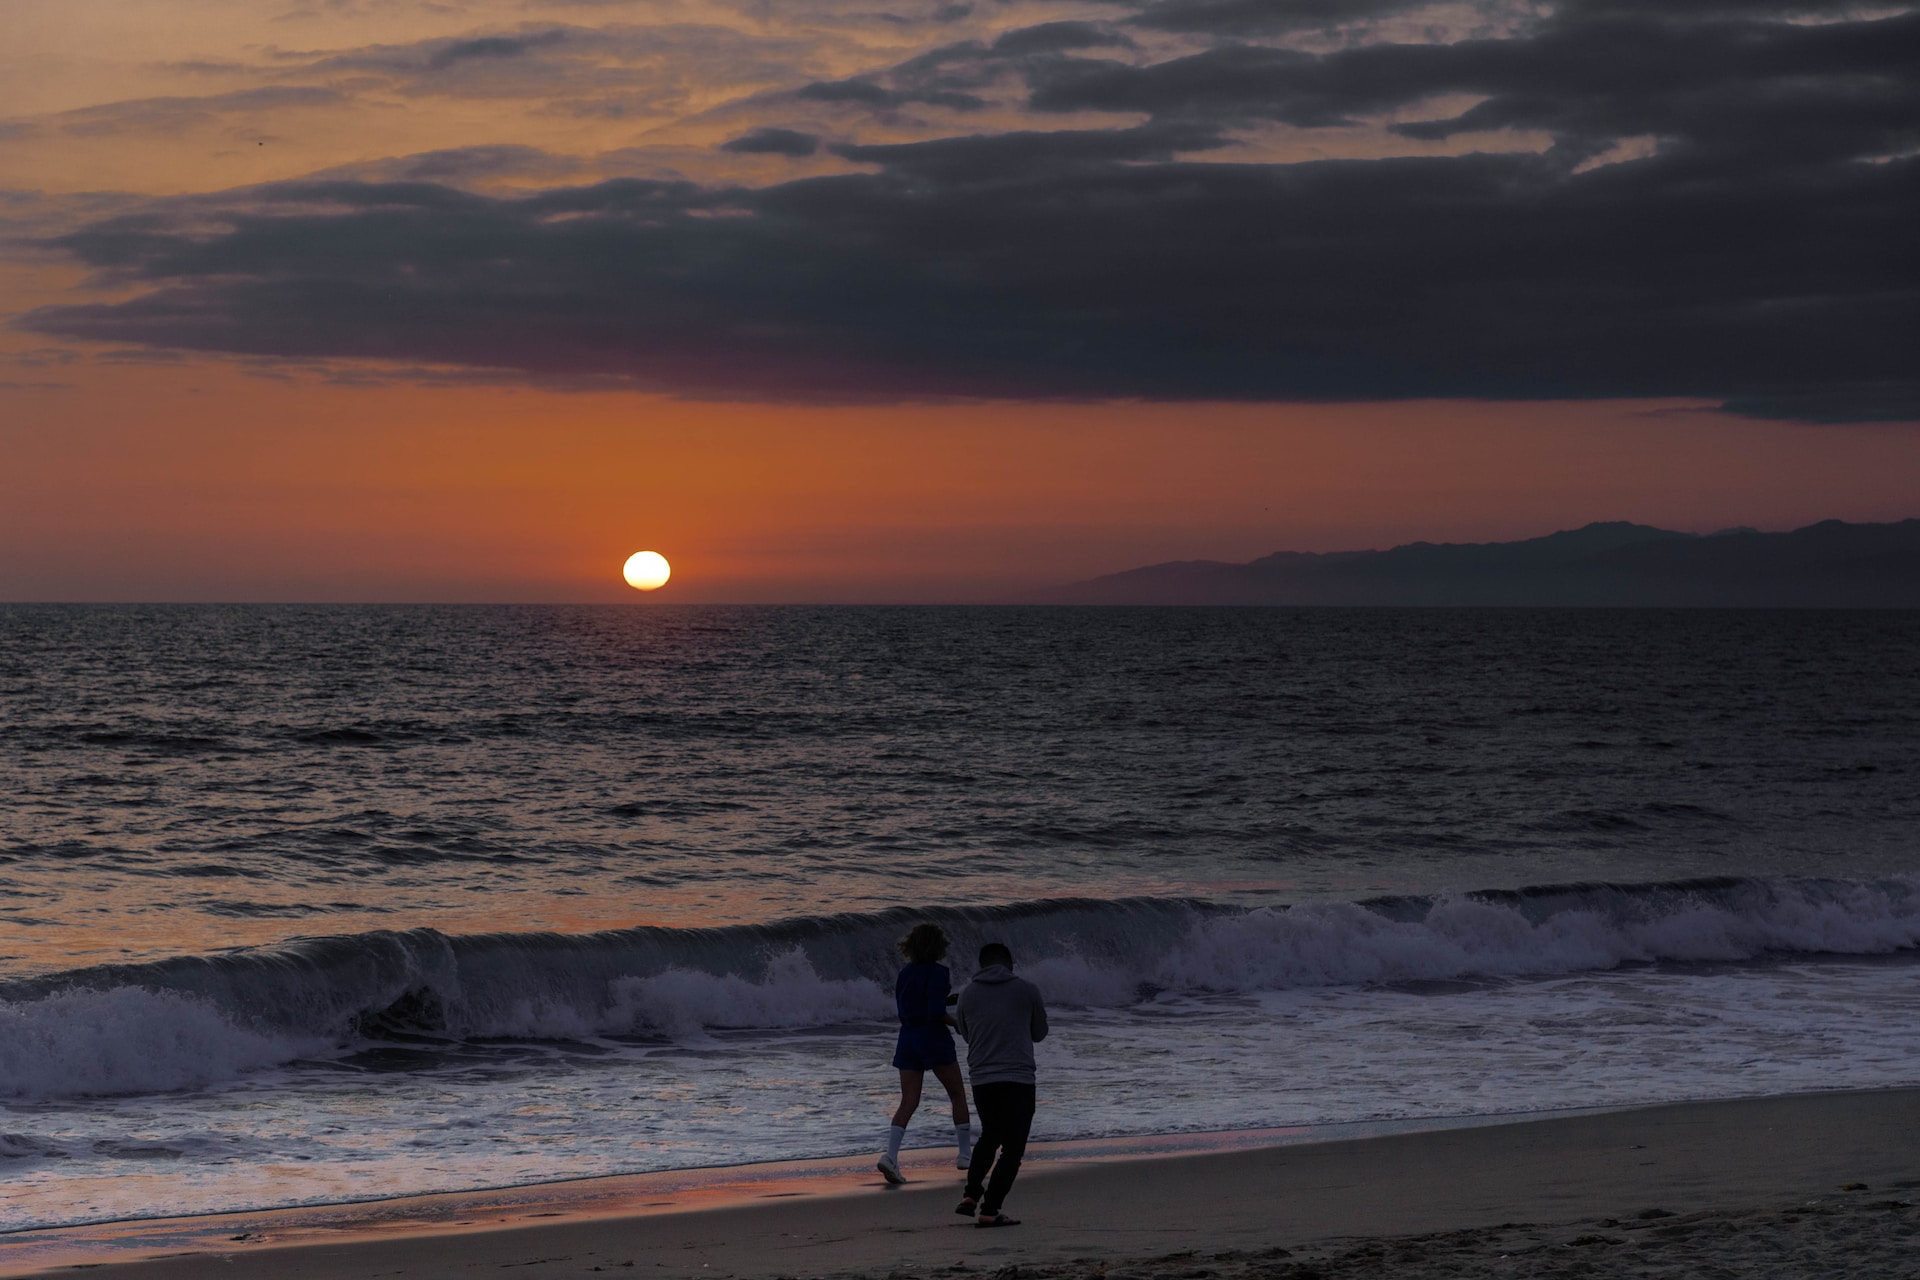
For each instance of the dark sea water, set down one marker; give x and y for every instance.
(306, 904)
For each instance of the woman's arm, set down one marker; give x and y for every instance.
(939, 996)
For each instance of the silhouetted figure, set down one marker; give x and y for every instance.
(1002, 1017)
(921, 995)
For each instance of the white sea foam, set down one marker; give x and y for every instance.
(682, 1002)
(125, 1040)
(204, 1019)
(1172, 1062)
(1338, 944)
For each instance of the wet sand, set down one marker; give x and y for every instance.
(1813, 1185)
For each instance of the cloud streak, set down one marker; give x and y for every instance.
(159, 115)
(1724, 210)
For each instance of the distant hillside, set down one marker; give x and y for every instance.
(1831, 564)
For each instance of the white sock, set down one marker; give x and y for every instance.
(896, 1134)
(963, 1138)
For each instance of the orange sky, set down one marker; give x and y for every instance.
(139, 475)
(201, 482)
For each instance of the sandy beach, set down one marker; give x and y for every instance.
(1813, 1185)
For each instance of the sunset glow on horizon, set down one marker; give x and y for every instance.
(414, 303)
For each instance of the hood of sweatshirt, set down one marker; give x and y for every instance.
(994, 973)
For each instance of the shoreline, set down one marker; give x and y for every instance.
(1115, 1198)
(819, 1176)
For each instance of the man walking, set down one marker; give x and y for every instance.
(1001, 1017)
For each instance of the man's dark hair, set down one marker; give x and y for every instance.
(996, 953)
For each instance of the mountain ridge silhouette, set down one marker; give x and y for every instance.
(1831, 564)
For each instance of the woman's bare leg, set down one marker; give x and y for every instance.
(948, 1076)
(910, 1082)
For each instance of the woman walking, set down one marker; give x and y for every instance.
(922, 993)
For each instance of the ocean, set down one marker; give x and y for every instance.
(304, 905)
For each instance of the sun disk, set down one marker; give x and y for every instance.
(647, 570)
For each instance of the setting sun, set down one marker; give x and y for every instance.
(646, 570)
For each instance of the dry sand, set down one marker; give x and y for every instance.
(1811, 1186)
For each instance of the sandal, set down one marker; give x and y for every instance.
(968, 1207)
(997, 1220)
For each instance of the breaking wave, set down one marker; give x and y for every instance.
(127, 1039)
(195, 1020)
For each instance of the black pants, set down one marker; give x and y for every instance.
(1006, 1117)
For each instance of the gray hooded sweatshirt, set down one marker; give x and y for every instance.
(1001, 1017)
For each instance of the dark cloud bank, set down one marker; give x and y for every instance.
(1765, 253)
(1827, 565)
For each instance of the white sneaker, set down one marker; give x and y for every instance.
(963, 1160)
(890, 1170)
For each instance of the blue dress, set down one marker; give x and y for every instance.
(920, 993)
